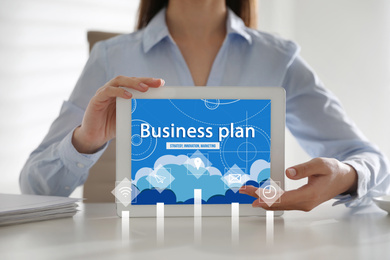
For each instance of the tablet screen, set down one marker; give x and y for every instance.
(179, 145)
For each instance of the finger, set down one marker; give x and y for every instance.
(140, 84)
(108, 92)
(153, 83)
(312, 167)
(249, 190)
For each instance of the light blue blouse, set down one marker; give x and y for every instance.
(246, 58)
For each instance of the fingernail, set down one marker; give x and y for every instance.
(163, 82)
(127, 93)
(292, 172)
(143, 85)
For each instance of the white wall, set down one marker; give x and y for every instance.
(43, 49)
(347, 42)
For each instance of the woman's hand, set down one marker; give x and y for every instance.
(99, 122)
(327, 178)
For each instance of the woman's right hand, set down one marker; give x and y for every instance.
(99, 122)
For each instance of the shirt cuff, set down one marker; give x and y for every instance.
(76, 162)
(357, 199)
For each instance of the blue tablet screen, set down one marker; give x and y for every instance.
(179, 145)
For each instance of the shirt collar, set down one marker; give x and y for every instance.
(235, 25)
(157, 29)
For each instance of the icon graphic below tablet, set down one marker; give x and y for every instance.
(270, 192)
(123, 192)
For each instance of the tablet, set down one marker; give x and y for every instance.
(177, 145)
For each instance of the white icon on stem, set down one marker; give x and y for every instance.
(159, 178)
(234, 178)
(197, 162)
(269, 192)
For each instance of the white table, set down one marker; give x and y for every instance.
(96, 233)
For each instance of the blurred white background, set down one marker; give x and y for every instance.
(347, 42)
(43, 49)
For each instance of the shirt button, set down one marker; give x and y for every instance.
(80, 165)
(67, 188)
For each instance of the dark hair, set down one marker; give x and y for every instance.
(245, 9)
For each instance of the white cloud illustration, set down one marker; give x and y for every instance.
(171, 159)
(257, 167)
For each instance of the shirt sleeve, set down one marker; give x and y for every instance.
(318, 121)
(55, 167)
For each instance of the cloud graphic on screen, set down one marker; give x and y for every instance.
(151, 197)
(260, 170)
(141, 173)
(170, 159)
(197, 172)
(183, 184)
(214, 171)
(230, 196)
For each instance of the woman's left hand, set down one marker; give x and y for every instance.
(327, 178)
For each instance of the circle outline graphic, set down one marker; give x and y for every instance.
(136, 143)
(224, 142)
(254, 152)
(133, 105)
(272, 188)
(155, 145)
(215, 104)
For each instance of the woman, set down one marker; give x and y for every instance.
(186, 42)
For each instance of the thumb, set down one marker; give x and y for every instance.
(304, 170)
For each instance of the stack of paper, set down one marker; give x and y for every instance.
(16, 209)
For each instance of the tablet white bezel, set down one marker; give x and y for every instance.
(123, 142)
